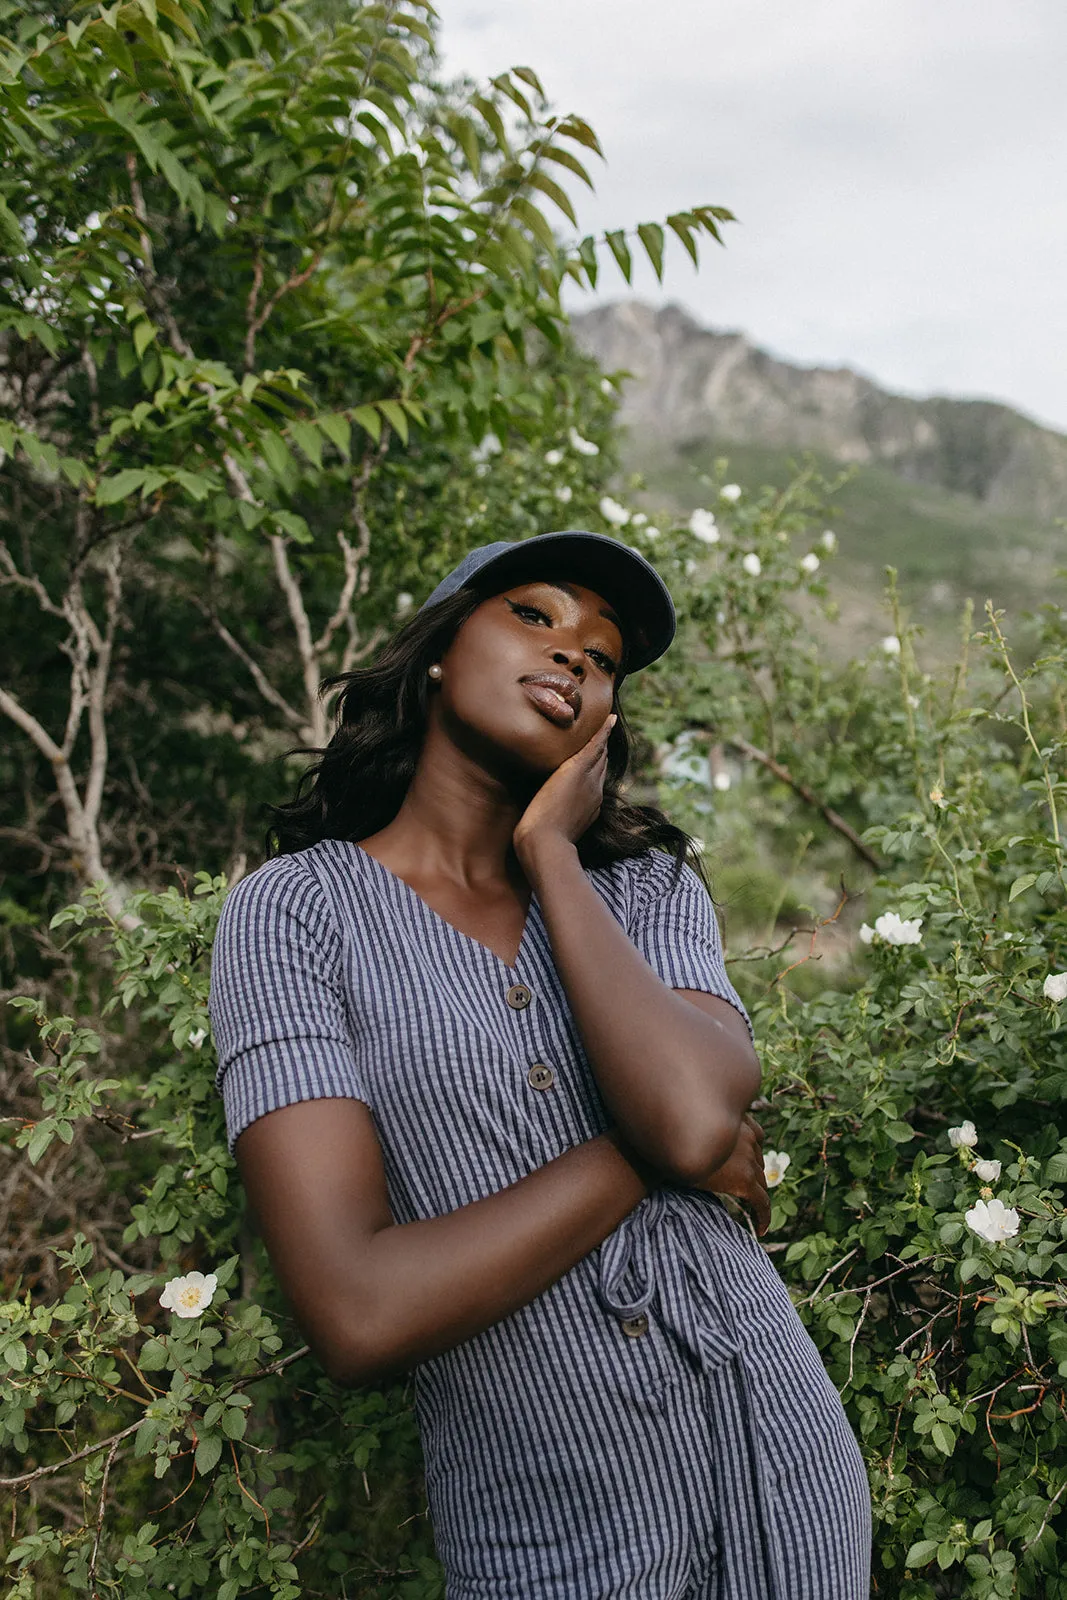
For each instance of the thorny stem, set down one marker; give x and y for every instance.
(1024, 705)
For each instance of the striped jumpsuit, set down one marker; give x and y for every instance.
(658, 1424)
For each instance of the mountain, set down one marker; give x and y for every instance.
(962, 497)
(692, 383)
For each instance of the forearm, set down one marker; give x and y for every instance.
(676, 1080)
(423, 1287)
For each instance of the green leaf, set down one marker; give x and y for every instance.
(337, 428)
(395, 416)
(369, 420)
(153, 1356)
(109, 491)
(559, 197)
(651, 236)
(621, 251)
(306, 436)
(208, 1452)
(680, 225)
(943, 1437)
(143, 334)
(1021, 884)
(535, 222)
(899, 1132)
(921, 1553)
(234, 1423)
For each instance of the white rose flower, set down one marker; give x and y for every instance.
(197, 1037)
(986, 1171)
(992, 1220)
(651, 532)
(891, 644)
(1055, 987)
(894, 929)
(730, 492)
(829, 540)
(721, 781)
(752, 564)
(189, 1296)
(553, 458)
(490, 446)
(612, 512)
(638, 519)
(966, 1135)
(584, 447)
(866, 933)
(606, 386)
(775, 1163)
(810, 562)
(404, 603)
(566, 494)
(702, 526)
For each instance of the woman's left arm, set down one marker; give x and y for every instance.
(677, 1073)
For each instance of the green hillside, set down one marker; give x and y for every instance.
(945, 545)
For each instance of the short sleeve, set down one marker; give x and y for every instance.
(673, 924)
(278, 1010)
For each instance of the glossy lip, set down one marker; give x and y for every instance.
(567, 690)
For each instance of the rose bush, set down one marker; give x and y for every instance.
(902, 1080)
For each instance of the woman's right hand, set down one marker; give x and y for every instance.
(742, 1174)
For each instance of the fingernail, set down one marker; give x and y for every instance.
(612, 720)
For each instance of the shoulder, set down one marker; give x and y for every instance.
(288, 889)
(642, 881)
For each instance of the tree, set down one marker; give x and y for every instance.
(261, 276)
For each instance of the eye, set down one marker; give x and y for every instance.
(525, 611)
(605, 662)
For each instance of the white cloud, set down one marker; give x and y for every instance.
(858, 145)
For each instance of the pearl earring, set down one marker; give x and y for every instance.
(434, 672)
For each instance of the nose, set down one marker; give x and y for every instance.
(572, 659)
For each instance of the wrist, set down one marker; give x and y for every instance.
(543, 851)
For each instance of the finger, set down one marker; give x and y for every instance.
(761, 1204)
(757, 1131)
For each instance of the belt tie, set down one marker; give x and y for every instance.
(697, 1311)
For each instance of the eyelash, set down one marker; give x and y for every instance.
(609, 665)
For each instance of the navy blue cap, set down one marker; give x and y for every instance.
(624, 578)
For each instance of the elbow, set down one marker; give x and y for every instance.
(703, 1143)
(355, 1364)
(700, 1153)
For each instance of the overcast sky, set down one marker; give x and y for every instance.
(898, 169)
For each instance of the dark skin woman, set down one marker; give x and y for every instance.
(509, 778)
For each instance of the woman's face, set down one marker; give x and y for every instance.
(532, 673)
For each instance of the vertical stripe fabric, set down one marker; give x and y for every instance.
(657, 1424)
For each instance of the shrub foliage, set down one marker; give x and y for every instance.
(268, 280)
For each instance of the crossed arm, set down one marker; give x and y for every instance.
(675, 1068)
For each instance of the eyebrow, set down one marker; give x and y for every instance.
(568, 588)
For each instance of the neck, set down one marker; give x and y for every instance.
(457, 818)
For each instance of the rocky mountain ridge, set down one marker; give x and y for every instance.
(688, 383)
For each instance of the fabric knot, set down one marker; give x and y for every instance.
(649, 1257)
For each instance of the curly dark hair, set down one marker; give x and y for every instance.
(359, 780)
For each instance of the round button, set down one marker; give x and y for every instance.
(519, 997)
(634, 1327)
(540, 1076)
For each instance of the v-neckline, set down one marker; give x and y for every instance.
(442, 922)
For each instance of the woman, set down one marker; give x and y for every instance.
(484, 1073)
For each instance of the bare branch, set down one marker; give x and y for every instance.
(259, 677)
(810, 798)
(10, 576)
(296, 280)
(309, 661)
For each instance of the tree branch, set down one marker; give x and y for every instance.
(810, 798)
